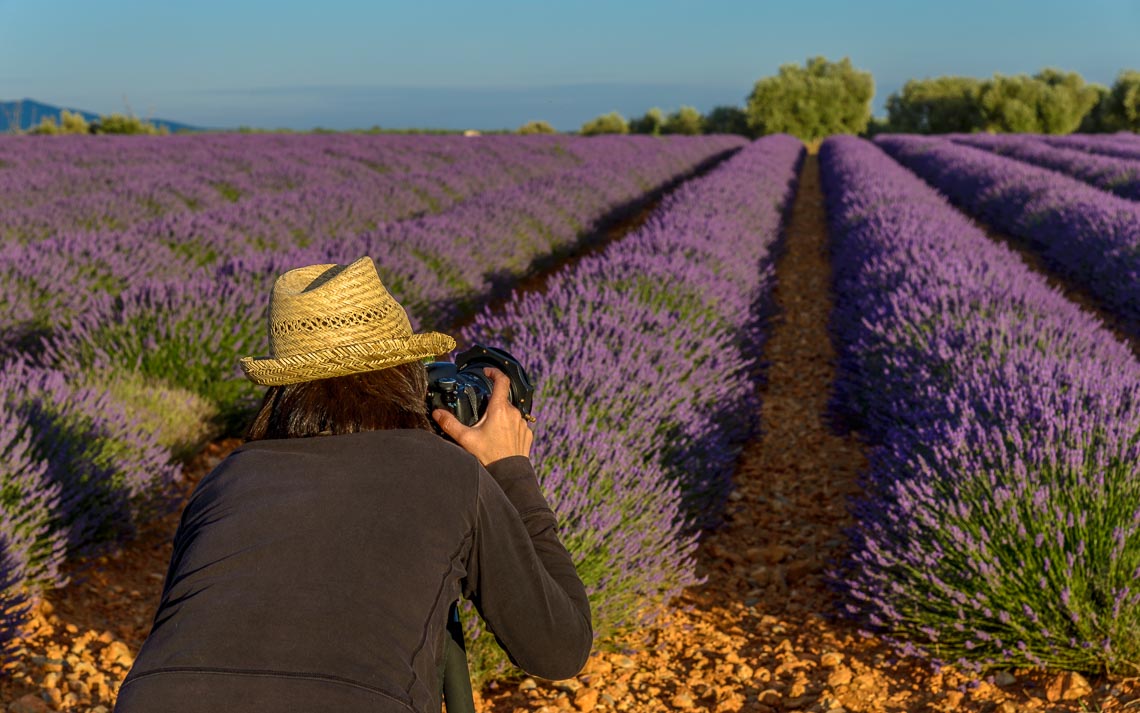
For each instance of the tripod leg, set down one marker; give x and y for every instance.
(457, 693)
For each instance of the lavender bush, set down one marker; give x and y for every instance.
(1000, 518)
(645, 357)
(1115, 175)
(1085, 234)
(74, 472)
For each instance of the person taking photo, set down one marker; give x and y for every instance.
(314, 568)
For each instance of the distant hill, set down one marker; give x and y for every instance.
(24, 114)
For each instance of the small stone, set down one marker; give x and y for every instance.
(1075, 687)
(1004, 678)
(774, 554)
(831, 659)
(30, 703)
(528, 684)
(841, 676)
(682, 700)
(570, 685)
(954, 699)
(586, 699)
(771, 697)
(624, 662)
(744, 673)
(867, 681)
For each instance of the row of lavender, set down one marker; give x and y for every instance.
(113, 183)
(1110, 173)
(645, 355)
(1089, 236)
(1000, 520)
(81, 453)
(547, 210)
(1121, 145)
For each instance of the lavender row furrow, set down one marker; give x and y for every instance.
(102, 189)
(1121, 145)
(1115, 175)
(53, 184)
(999, 521)
(645, 357)
(1089, 236)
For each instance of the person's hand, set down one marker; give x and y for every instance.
(501, 433)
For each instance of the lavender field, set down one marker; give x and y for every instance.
(129, 295)
(996, 526)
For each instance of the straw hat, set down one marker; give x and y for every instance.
(334, 320)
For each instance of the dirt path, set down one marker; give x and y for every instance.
(761, 634)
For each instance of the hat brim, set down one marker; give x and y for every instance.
(343, 361)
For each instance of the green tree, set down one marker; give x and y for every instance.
(813, 101)
(612, 123)
(1121, 104)
(536, 127)
(126, 124)
(649, 123)
(1049, 102)
(1097, 121)
(940, 105)
(686, 120)
(70, 122)
(46, 127)
(727, 120)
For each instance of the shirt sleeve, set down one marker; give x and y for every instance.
(521, 578)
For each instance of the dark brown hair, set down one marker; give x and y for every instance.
(386, 398)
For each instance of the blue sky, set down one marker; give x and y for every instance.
(343, 64)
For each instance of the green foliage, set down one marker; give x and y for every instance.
(537, 127)
(685, 120)
(73, 123)
(814, 101)
(1049, 102)
(124, 124)
(46, 127)
(612, 123)
(181, 421)
(936, 106)
(1121, 104)
(727, 120)
(650, 123)
(1096, 121)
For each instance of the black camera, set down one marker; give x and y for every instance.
(463, 389)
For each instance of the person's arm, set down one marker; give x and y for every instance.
(521, 578)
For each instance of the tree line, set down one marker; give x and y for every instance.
(821, 98)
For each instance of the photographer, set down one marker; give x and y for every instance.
(315, 567)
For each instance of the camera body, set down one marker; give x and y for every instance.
(463, 389)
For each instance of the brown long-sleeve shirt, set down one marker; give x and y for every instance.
(317, 573)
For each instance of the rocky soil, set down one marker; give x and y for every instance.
(760, 635)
